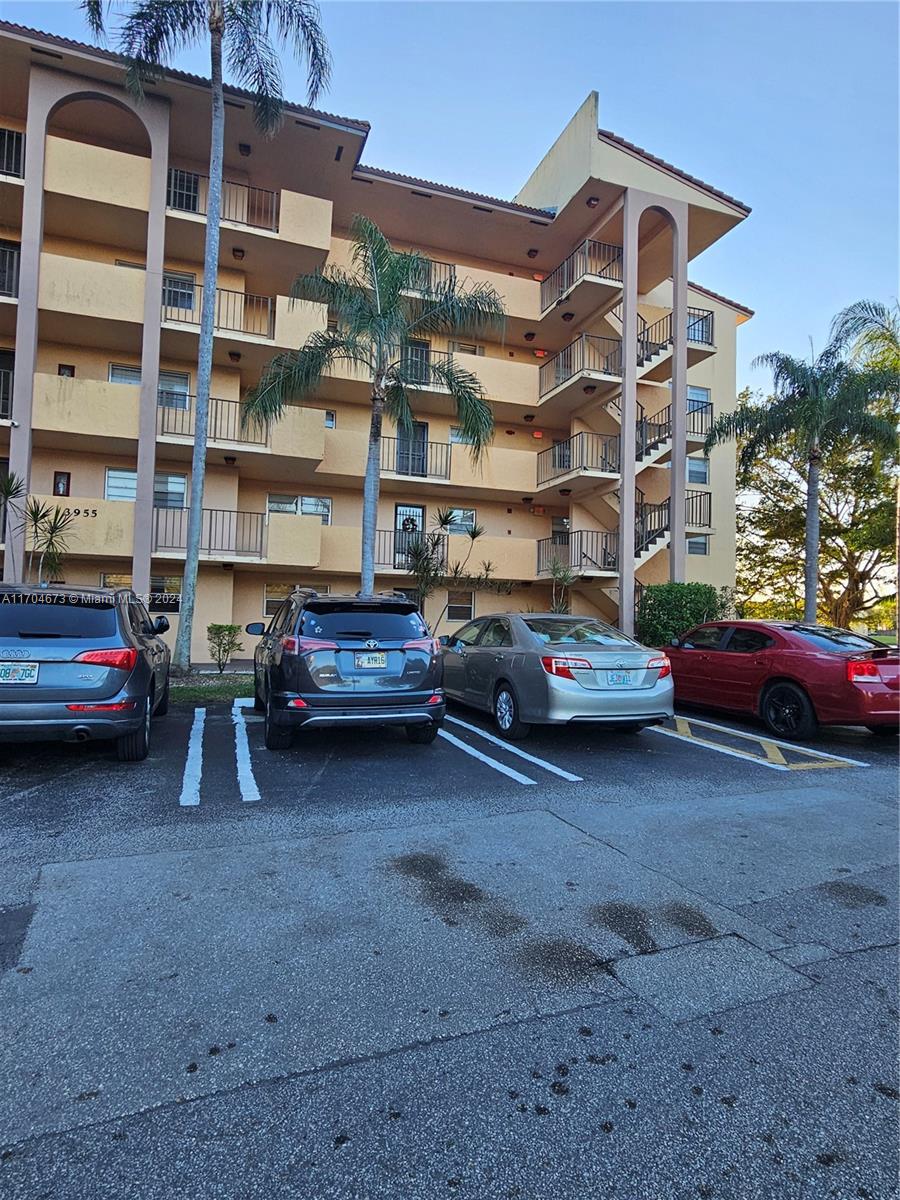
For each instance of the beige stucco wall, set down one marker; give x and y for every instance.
(96, 173)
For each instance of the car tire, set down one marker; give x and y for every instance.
(787, 711)
(259, 705)
(163, 707)
(276, 736)
(423, 735)
(506, 714)
(883, 731)
(134, 747)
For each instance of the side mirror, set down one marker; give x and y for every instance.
(161, 625)
(674, 642)
(444, 639)
(256, 628)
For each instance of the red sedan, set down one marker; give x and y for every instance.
(794, 676)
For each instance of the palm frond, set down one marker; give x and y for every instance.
(298, 24)
(451, 307)
(298, 373)
(397, 403)
(93, 13)
(153, 33)
(372, 255)
(866, 318)
(476, 420)
(254, 62)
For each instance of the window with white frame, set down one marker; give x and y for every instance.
(275, 593)
(697, 397)
(467, 348)
(307, 506)
(462, 520)
(330, 418)
(698, 469)
(178, 290)
(460, 606)
(169, 491)
(120, 484)
(698, 543)
(119, 373)
(458, 437)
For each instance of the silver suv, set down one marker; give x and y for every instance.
(76, 665)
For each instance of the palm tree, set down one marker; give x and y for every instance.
(817, 402)
(386, 299)
(151, 33)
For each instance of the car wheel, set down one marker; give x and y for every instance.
(506, 714)
(163, 707)
(423, 735)
(787, 711)
(134, 747)
(883, 731)
(276, 736)
(258, 703)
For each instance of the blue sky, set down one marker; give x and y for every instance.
(791, 107)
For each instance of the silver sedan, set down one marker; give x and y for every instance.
(551, 669)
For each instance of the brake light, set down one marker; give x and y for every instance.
(562, 668)
(119, 706)
(857, 668)
(297, 702)
(121, 659)
(432, 645)
(661, 664)
(305, 645)
(436, 699)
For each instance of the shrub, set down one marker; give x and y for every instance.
(223, 641)
(669, 609)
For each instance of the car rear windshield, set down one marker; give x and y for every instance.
(56, 615)
(362, 621)
(563, 630)
(823, 637)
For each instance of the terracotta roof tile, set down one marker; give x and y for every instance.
(698, 287)
(446, 189)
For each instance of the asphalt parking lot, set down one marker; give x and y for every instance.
(594, 964)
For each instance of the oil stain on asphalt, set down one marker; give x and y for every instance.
(454, 899)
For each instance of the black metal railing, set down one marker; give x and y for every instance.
(9, 270)
(700, 326)
(590, 258)
(651, 431)
(243, 205)
(698, 509)
(588, 352)
(397, 548)
(238, 312)
(176, 416)
(653, 339)
(582, 551)
(433, 274)
(222, 531)
(418, 363)
(581, 452)
(6, 390)
(12, 153)
(651, 522)
(406, 456)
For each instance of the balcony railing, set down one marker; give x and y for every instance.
(582, 452)
(241, 204)
(651, 522)
(700, 327)
(223, 531)
(6, 391)
(698, 509)
(396, 549)
(237, 312)
(418, 363)
(427, 459)
(651, 431)
(581, 551)
(177, 412)
(434, 274)
(9, 270)
(588, 352)
(590, 258)
(12, 153)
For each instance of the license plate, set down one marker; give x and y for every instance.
(371, 661)
(618, 678)
(19, 672)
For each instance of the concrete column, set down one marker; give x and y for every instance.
(678, 472)
(634, 206)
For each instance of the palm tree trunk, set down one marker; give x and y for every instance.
(182, 656)
(811, 565)
(371, 488)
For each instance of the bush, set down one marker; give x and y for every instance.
(669, 609)
(223, 642)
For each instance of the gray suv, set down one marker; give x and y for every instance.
(347, 660)
(77, 665)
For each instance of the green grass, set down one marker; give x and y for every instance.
(886, 639)
(207, 689)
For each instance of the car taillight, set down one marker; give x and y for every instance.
(562, 668)
(123, 659)
(117, 706)
(297, 702)
(436, 699)
(432, 645)
(305, 645)
(857, 668)
(661, 664)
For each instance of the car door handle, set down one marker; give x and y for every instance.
(499, 657)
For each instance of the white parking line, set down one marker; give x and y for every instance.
(490, 762)
(532, 758)
(193, 766)
(854, 762)
(246, 781)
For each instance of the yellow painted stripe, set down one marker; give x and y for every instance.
(773, 754)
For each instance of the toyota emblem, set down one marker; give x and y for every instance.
(372, 644)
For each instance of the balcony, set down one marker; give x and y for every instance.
(423, 459)
(79, 413)
(241, 204)
(102, 528)
(587, 284)
(176, 417)
(698, 509)
(584, 551)
(582, 460)
(591, 366)
(224, 533)
(12, 153)
(235, 312)
(90, 303)
(395, 549)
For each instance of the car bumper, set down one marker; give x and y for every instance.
(319, 715)
(568, 701)
(56, 723)
(868, 706)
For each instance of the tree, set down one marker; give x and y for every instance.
(857, 536)
(819, 403)
(561, 580)
(151, 33)
(387, 298)
(669, 609)
(47, 531)
(223, 641)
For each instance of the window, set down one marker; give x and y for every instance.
(559, 531)
(61, 615)
(824, 637)
(275, 593)
(458, 438)
(330, 418)
(9, 268)
(357, 622)
(698, 470)
(576, 631)
(496, 634)
(165, 590)
(698, 543)
(120, 485)
(460, 606)
(707, 637)
(132, 266)
(122, 374)
(169, 491)
(178, 291)
(174, 390)
(62, 482)
(65, 371)
(467, 348)
(462, 520)
(467, 636)
(307, 506)
(748, 641)
(183, 190)
(697, 397)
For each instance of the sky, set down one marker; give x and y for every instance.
(790, 107)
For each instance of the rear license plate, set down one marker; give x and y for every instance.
(618, 678)
(19, 672)
(370, 660)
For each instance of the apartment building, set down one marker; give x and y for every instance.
(603, 387)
